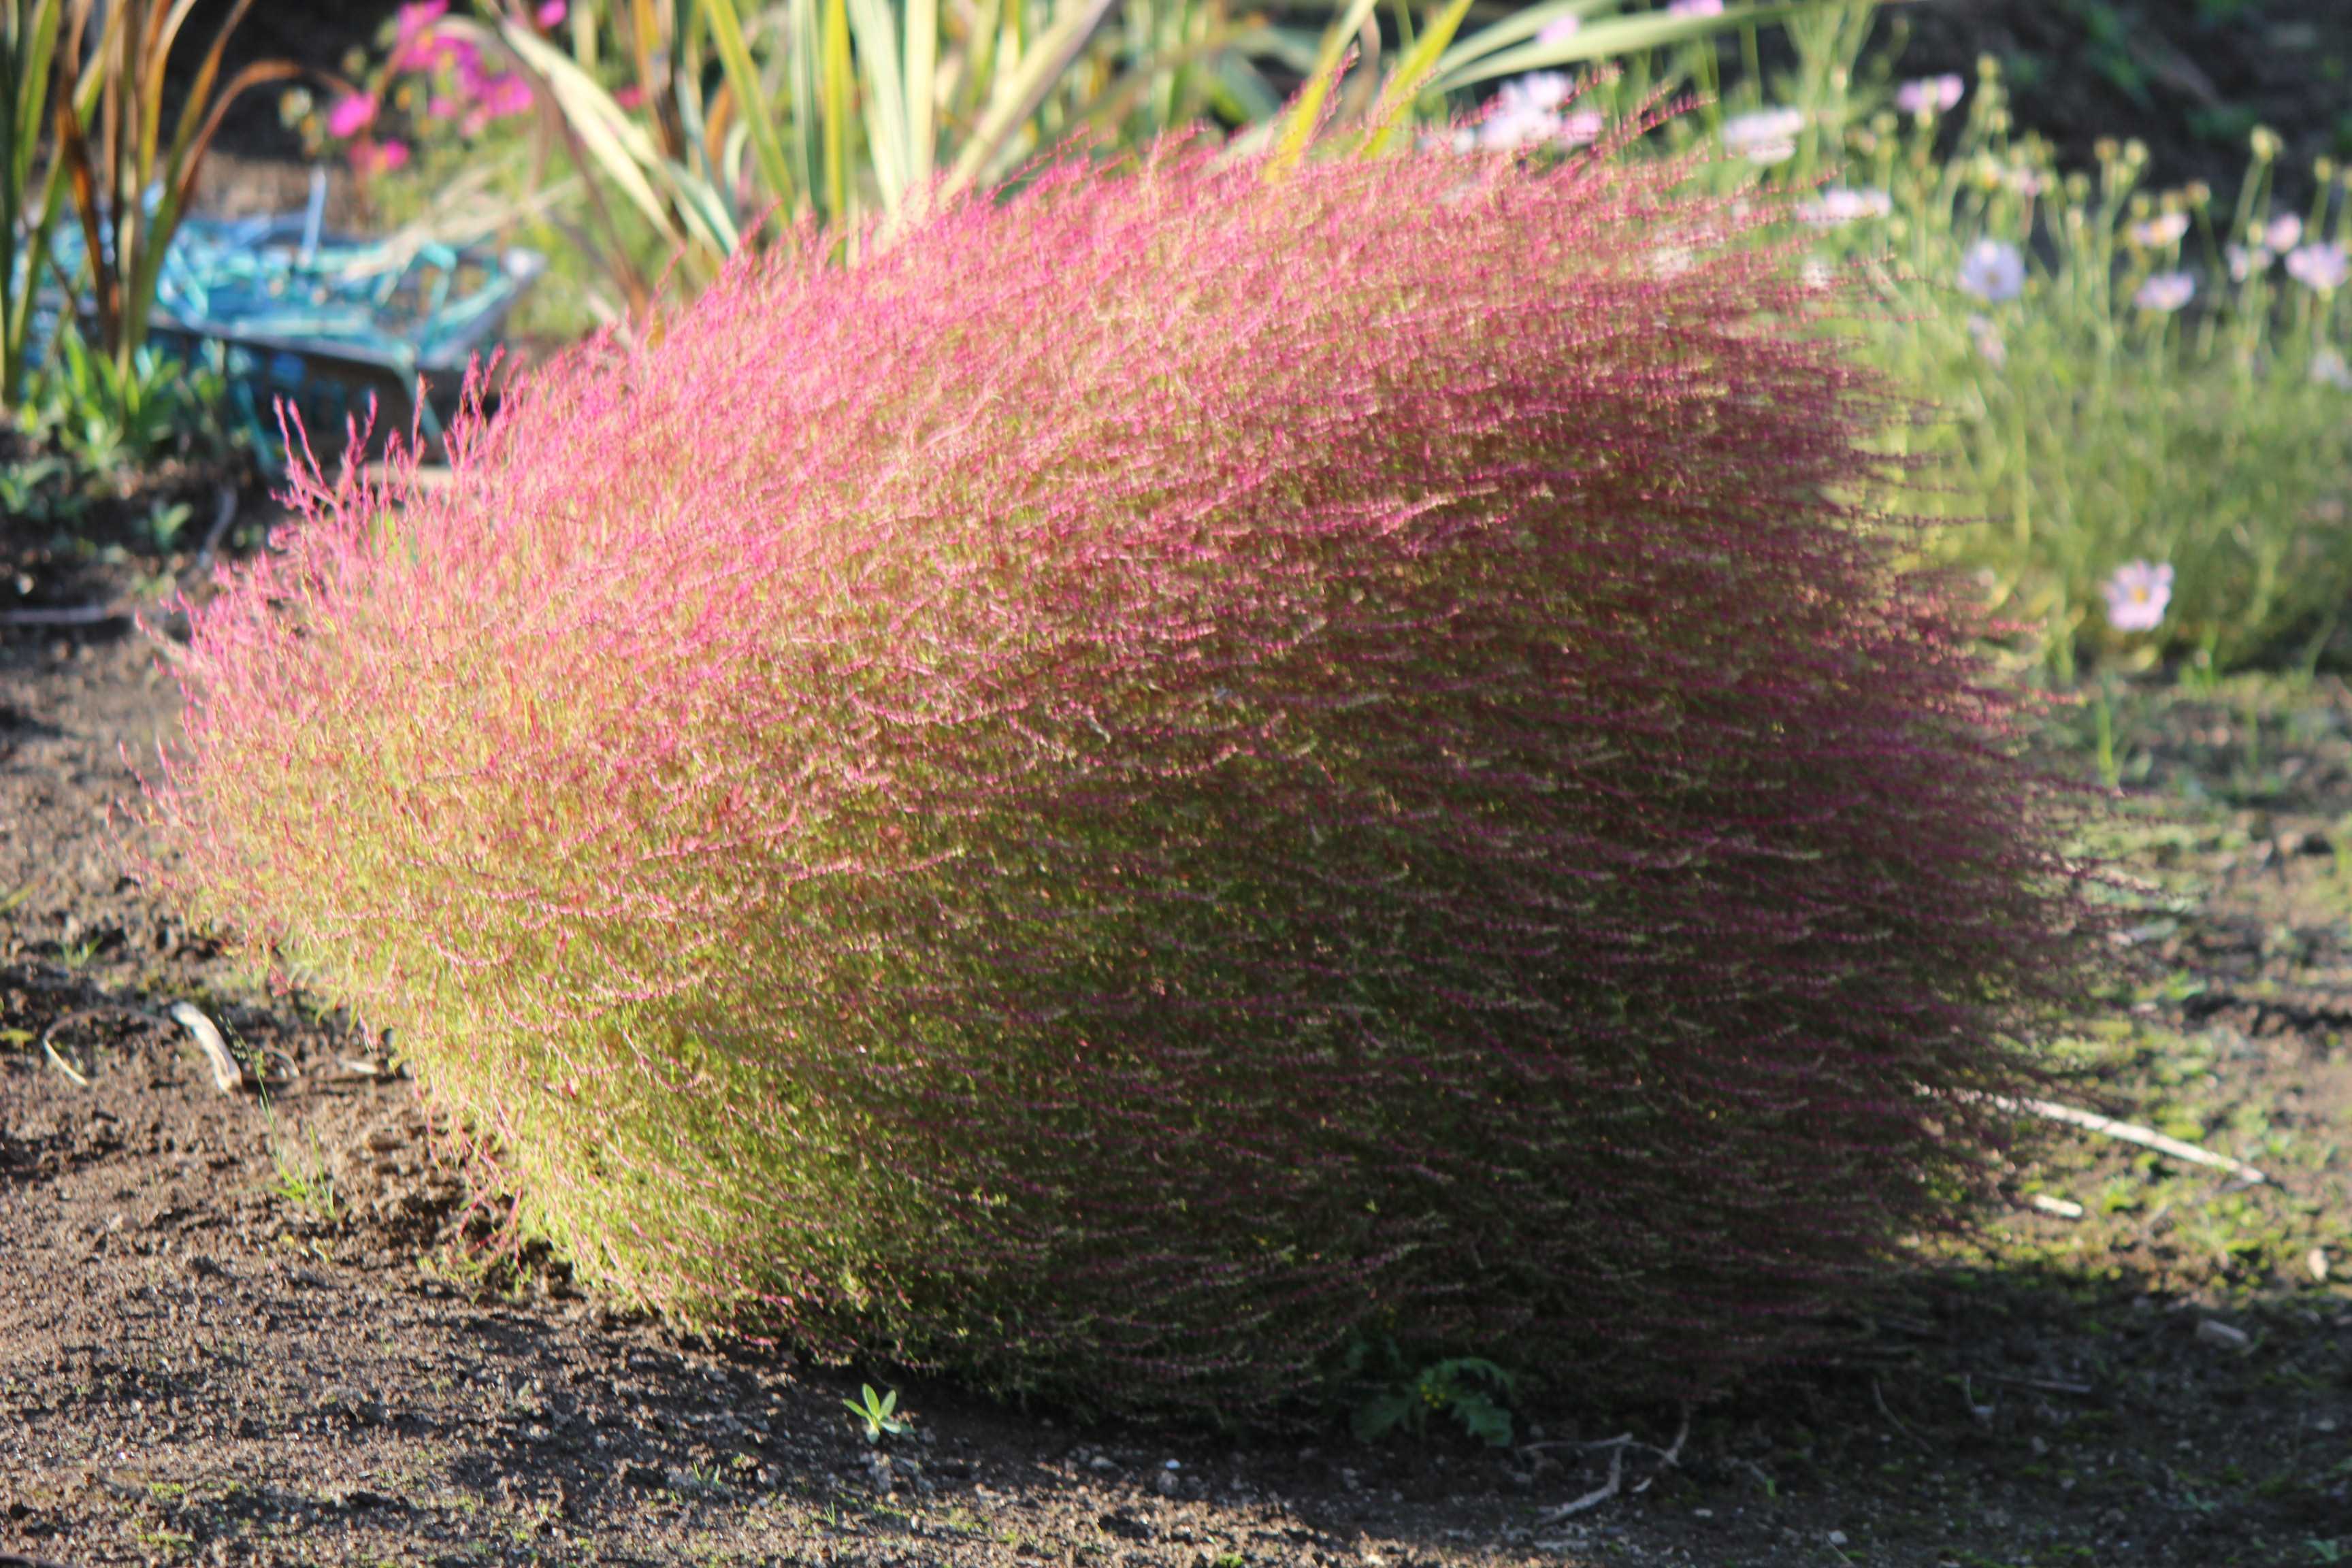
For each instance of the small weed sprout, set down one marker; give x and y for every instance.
(877, 1414)
(304, 1176)
(1467, 1388)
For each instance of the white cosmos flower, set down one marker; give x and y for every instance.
(1992, 270)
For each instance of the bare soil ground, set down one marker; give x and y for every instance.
(255, 1328)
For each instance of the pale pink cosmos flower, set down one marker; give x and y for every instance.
(2245, 263)
(353, 113)
(2156, 232)
(2136, 595)
(1766, 136)
(1837, 205)
(1559, 30)
(1988, 341)
(1696, 8)
(1992, 270)
(1582, 127)
(1930, 95)
(2165, 292)
(2318, 268)
(2282, 233)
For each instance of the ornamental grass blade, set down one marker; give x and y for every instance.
(1483, 57)
(622, 149)
(1412, 74)
(1018, 92)
(874, 38)
(1306, 112)
(743, 78)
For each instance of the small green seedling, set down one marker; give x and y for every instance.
(879, 1413)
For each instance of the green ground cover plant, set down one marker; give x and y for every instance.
(1165, 778)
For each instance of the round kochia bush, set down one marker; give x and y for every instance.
(1166, 777)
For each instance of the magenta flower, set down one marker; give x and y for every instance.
(2165, 292)
(504, 94)
(372, 158)
(1930, 95)
(413, 43)
(551, 14)
(2136, 595)
(353, 113)
(1696, 8)
(2318, 268)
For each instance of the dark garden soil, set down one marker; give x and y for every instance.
(242, 1328)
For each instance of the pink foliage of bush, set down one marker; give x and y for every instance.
(1166, 774)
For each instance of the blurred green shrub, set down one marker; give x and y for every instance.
(2123, 379)
(681, 128)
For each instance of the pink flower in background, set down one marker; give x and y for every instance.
(414, 45)
(2136, 595)
(2282, 233)
(504, 94)
(2165, 228)
(1992, 272)
(1559, 30)
(2244, 263)
(630, 96)
(2165, 292)
(370, 158)
(1930, 95)
(551, 14)
(1696, 8)
(2318, 268)
(353, 113)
